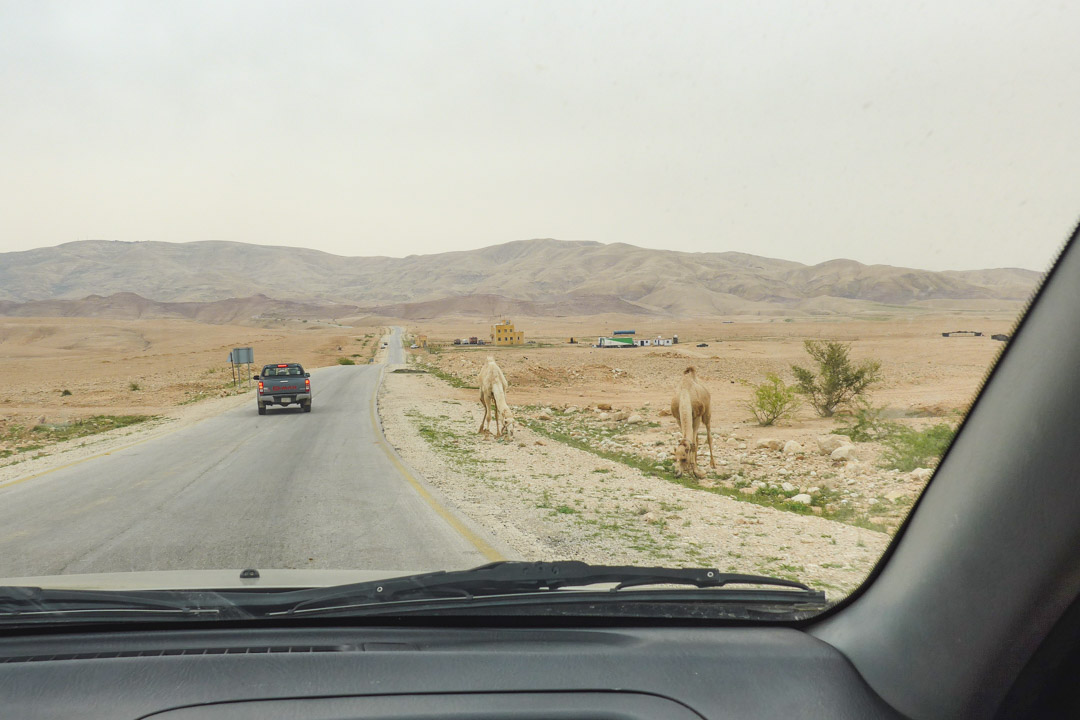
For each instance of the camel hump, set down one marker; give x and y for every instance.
(690, 371)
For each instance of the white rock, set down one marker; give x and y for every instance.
(768, 444)
(732, 441)
(787, 487)
(792, 447)
(829, 443)
(603, 416)
(814, 490)
(894, 495)
(801, 498)
(921, 474)
(844, 452)
(635, 418)
(742, 446)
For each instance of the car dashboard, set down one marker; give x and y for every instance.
(434, 672)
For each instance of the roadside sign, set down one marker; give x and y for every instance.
(241, 356)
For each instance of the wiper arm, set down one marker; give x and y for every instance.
(28, 602)
(512, 578)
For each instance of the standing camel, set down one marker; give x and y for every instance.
(493, 388)
(690, 406)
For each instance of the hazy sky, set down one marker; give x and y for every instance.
(944, 135)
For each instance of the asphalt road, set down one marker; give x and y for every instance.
(283, 490)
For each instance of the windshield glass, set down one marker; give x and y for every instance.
(694, 286)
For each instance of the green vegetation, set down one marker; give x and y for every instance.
(907, 449)
(65, 392)
(454, 380)
(20, 439)
(837, 381)
(866, 423)
(345, 361)
(773, 400)
(134, 386)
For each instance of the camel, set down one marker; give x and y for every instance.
(690, 407)
(493, 388)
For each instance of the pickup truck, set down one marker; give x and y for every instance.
(283, 384)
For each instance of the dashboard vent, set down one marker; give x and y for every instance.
(264, 650)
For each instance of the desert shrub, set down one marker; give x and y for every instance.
(773, 400)
(65, 392)
(837, 381)
(866, 422)
(345, 361)
(134, 386)
(907, 448)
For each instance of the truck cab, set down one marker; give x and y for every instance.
(283, 384)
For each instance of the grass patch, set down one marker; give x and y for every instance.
(345, 361)
(20, 439)
(453, 380)
(908, 449)
(134, 387)
(65, 392)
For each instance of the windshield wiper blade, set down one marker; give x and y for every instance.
(19, 602)
(515, 578)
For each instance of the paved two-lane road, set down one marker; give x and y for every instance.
(283, 490)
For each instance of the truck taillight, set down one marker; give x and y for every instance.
(307, 384)
(260, 386)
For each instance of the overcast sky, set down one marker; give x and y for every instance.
(941, 136)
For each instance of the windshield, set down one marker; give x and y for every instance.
(332, 293)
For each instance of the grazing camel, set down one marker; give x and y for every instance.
(690, 406)
(493, 388)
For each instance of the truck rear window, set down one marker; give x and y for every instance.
(275, 371)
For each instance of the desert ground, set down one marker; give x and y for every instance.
(139, 368)
(588, 473)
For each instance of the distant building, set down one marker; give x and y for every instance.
(504, 334)
(618, 342)
(421, 341)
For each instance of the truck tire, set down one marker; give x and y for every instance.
(262, 409)
(307, 406)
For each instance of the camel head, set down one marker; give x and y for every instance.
(685, 459)
(507, 427)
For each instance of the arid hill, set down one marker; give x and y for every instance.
(129, 306)
(542, 277)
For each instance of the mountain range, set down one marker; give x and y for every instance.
(221, 281)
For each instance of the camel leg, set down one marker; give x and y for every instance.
(708, 434)
(694, 446)
(487, 413)
(495, 416)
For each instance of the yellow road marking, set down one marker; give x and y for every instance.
(478, 542)
(10, 483)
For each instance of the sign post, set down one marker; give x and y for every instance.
(241, 356)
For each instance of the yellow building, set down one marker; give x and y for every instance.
(421, 340)
(504, 334)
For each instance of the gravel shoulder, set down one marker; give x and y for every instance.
(550, 501)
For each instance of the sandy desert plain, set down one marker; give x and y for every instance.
(583, 478)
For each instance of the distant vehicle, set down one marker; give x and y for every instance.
(1000, 336)
(962, 333)
(283, 384)
(414, 346)
(703, 344)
